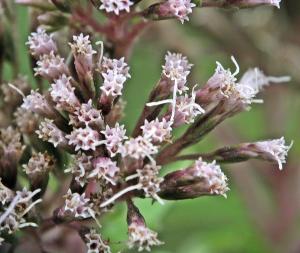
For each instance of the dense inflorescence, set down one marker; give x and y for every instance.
(73, 131)
(76, 118)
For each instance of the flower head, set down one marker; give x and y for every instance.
(48, 131)
(186, 110)
(86, 115)
(51, 66)
(41, 43)
(116, 6)
(156, 130)
(39, 163)
(114, 137)
(115, 73)
(81, 167)
(213, 176)
(177, 68)
(77, 205)
(37, 103)
(150, 181)
(26, 121)
(273, 150)
(95, 243)
(180, 9)
(104, 168)
(63, 94)
(139, 148)
(84, 138)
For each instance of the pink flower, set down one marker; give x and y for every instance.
(41, 43)
(104, 168)
(157, 131)
(63, 94)
(84, 138)
(116, 6)
(114, 138)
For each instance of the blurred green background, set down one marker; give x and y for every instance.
(261, 211)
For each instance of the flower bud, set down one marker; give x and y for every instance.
(11, 150)
(201, 179)
(48, 131)
(37, 169)
(140, 236)
(26, 121)
(37, 103)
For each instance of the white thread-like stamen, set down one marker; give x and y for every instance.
(162, 102)
(16, 89)
(236, 65)
(134, 176)
(120, 193)
(10, 208)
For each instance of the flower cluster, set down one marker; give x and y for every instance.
(81, 115)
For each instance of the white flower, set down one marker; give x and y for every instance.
(63, 94)
(116, 6)
(51, 66)
(104, 168)
(83, 53)
(48, 131)
(186, 110)
(141, 237)
(114, 137)
(86, 115)
(82, 45)
(84, 138)
(77, 205)
(180, 9)
(114, 72)
(80, 168)
(39, 163)
(212, 174)
(177, 68)
(95, 243)
(149, 181)
(40, 43)
(275, 150)
(157, 131)
(37, 103)
(139, 148)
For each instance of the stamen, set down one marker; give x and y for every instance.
(174, 101)
(279, 79)
(131, 177)
(162, 102)
(10, 208)
(236, 65)
(119, 194)
(28, 224)
(31, 206)
(101, 49)
(16, 89)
